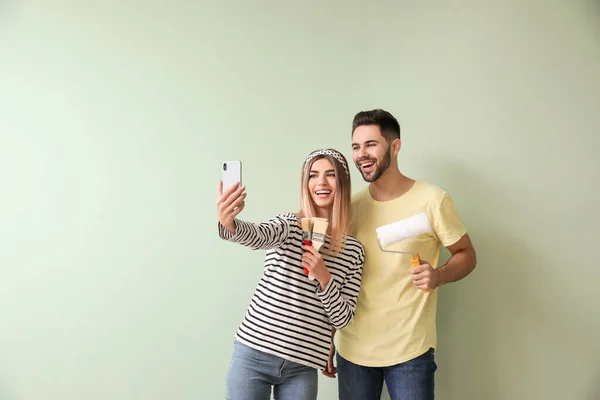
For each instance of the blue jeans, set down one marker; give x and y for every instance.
(253, 373)
(411, 380)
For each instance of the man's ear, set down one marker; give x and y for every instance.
(396, 145)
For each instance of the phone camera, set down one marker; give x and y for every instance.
(224, 166)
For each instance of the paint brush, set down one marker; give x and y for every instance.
(319, 229)
(306, 234)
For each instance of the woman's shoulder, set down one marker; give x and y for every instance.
(354, 246)
(289, 218)
(354, 241)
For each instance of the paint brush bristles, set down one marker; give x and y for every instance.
(318, 232)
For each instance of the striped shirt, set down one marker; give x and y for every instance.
(289, 316)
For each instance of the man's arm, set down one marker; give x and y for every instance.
(461, 263)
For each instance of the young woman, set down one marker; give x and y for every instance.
(285, 336)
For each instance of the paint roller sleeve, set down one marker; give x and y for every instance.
(398, 231)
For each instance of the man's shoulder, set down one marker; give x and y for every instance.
(429, 187)
(360, 197)
(430, 191)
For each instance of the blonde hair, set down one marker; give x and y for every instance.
(339, 219)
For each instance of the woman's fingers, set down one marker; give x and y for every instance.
(235, 204)
(230, 212)
(307, 257)
(228, 205)
(231, 195)
(235, 212)
(235, 195)
(305, 263)
(228, 191)
(309, 249)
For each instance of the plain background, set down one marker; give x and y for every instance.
(115, 117)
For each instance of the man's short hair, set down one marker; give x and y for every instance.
(389, 126)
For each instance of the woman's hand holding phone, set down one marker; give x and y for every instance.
(230, 204)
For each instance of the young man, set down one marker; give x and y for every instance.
(393, 335)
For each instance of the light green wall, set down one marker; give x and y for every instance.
(115, 116)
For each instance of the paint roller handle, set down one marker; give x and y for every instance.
(416, 261)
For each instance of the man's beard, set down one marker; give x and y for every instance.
(381, 168)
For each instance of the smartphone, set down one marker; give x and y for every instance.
(232, 173)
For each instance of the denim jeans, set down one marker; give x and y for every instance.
(253, 373)
(411, 380)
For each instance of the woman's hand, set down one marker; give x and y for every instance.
(230, 204)
(312, 260)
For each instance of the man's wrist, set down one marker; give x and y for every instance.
(439, 276)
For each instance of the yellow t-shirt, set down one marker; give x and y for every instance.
(394, 321)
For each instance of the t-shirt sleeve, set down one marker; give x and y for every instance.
(447, 222)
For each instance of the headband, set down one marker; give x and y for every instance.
(328, 152)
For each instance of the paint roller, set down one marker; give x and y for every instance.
(401, 230)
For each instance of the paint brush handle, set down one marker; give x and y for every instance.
(416, 261)
(307, 242)
(317, 245)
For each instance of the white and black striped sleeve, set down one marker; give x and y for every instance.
(263, 236)
(340, 303)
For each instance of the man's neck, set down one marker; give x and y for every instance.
(391, 185)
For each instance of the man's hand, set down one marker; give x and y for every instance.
(230, 204)
(330, 370)
(425, 277)
(312, 260)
